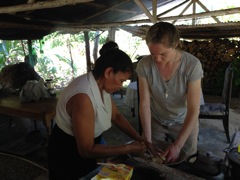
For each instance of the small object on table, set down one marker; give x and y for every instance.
(112, 171)
(50, 87)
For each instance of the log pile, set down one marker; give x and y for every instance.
(215, 55)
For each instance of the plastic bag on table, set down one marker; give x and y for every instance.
(33, 91)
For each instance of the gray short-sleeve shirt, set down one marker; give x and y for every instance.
(173, 109)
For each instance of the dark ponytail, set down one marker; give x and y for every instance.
(110, 45)
(114, 58)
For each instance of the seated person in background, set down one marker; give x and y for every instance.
(170, 89)
(12, 79)
(84, 111)
(15, 76)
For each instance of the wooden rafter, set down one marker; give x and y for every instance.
(78, 27)
(154, 9)
(184, 10)
(30, 19)
(146, 11)
(194, 11)
(204, 14)
(169, 10)
(193, 3)
(207, 10)
(40, 5)
(113, 8)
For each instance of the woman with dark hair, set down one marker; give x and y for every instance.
(84, 111)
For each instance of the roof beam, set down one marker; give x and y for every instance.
(194, 11)
(207, 10)
(188, 5)
(169, 10)
(40, 5)
(170, 18)
(203, 14)
(78, 27)
(154, 9)
(145, 10)
(112, 8)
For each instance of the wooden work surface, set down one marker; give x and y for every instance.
(44, 109)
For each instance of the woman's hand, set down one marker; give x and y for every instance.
(137, 147)
(155, 151)
(171, 153)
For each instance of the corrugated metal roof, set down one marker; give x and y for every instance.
(206, 31)
(20, 19)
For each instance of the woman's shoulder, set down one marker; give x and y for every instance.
(80, 83)
(190, 63)
(145, 60)
(189, 56)
(190, 60)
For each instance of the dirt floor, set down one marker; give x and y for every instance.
(212, 138)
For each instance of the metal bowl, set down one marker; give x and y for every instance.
(162, 145)
(182, 157)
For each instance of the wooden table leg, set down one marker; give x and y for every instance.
(48, 122)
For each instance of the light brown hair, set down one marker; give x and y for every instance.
(163, 33)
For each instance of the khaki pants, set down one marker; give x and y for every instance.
(159, 133)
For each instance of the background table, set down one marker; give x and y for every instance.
(44, 109)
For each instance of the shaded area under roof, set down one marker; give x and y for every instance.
(207, 31)
(20, 19)
(33, 24)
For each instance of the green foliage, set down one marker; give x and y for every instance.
(59, 56)
(2, 60)
(12, 52)
(45, 67)
(51, 69)
(67, 61)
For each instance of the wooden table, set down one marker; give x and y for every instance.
(44, 109)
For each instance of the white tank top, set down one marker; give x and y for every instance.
(102, 111)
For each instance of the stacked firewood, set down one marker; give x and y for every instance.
(214, 55)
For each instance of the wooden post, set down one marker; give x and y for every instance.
(95, 48)
(111, 34)
(87, 48)
(30, 55)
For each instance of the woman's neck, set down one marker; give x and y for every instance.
(168, 68)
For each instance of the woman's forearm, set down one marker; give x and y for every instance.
(189, 122)
(145, 117)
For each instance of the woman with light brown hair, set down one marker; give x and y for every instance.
(170, 89)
